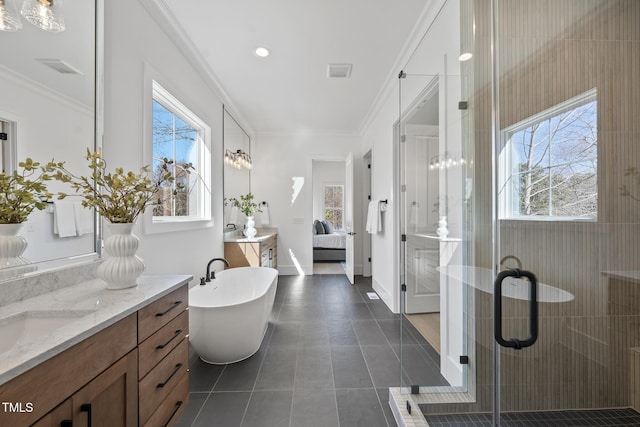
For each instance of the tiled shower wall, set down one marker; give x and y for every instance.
(550, 51)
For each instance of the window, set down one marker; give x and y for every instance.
(548, 163)
(333, 204)
(181, 136)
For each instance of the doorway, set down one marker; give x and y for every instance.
(328, 233)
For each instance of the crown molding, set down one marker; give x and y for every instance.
(59, 97)
(160, 12)
(418, 33)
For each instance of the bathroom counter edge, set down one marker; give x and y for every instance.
(105, 307)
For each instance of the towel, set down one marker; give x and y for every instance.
(83, 219)
(64, 218)
(264, 217)
(374, 217)
(233, 215)
(413, 214)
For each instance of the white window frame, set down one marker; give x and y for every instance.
(163, 224)
(506, 161)
(324, 207)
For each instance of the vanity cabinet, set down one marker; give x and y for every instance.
(163, 359)
(262, 252)
(132, 373)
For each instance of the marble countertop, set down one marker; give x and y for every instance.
(242, 239)
(91, 308)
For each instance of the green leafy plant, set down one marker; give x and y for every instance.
(246, 204)
(119, 196)
(22, 192)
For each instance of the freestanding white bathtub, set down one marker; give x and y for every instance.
(228, 316)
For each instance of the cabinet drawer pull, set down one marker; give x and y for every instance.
(66, 423)
(86, 407)
(173, 414)
(161, 346)
(175, 371)
(175, 304)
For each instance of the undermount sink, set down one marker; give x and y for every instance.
(22, 327)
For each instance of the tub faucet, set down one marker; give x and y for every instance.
(212, 274)
(513, 257)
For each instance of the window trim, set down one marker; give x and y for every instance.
(324, 207)
(505, 163)
(156, 224)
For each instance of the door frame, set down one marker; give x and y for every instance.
(309, 209)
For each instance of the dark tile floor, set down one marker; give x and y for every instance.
(328, 358)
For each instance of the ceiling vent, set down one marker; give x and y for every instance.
(59, 65)
(335, 71)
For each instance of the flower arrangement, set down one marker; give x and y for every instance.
(22, 192)
(246, 204)
(119, 196)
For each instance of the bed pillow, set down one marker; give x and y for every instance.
(319, 227)
(314, 230)
(328, 229)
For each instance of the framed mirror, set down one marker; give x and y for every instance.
(237, 172)
(51, 108)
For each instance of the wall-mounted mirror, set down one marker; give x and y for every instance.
(50, 109)
(237, 176)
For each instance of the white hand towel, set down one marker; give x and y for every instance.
(83, 219)
(64, 218)
(374, 217)
(233, 215)
(265, 216)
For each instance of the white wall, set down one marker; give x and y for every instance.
(278, 160)
(325, 173)
(42, 135)
(127, 49)
(436, 55)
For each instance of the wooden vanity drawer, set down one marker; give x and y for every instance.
(51, 382)
(158, 345)
(158, 384)
(159, 313)
(172, 407)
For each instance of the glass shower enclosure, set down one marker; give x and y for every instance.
(518, 147)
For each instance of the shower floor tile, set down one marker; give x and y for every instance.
(577, 418)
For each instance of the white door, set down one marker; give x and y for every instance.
(422, 204)
(348, 216)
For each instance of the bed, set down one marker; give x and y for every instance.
(329, 246)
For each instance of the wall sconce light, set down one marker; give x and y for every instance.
(9, 19)
(44, 14)
(238, 160)
(445, 162)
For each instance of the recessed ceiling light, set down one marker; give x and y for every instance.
(262, 52)
(465, 56)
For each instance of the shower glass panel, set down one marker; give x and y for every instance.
(435, 187)
(527, 170)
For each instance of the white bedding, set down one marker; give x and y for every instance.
(336, 240)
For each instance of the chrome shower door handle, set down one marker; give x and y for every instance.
(533, 309)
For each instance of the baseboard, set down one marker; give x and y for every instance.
(384, 295)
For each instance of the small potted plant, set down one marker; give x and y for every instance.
(21, 192)
(248, 207)
(119, 197)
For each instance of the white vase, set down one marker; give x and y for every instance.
(122, 267)
(442, 230)
(251, 231)
(12, 246)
